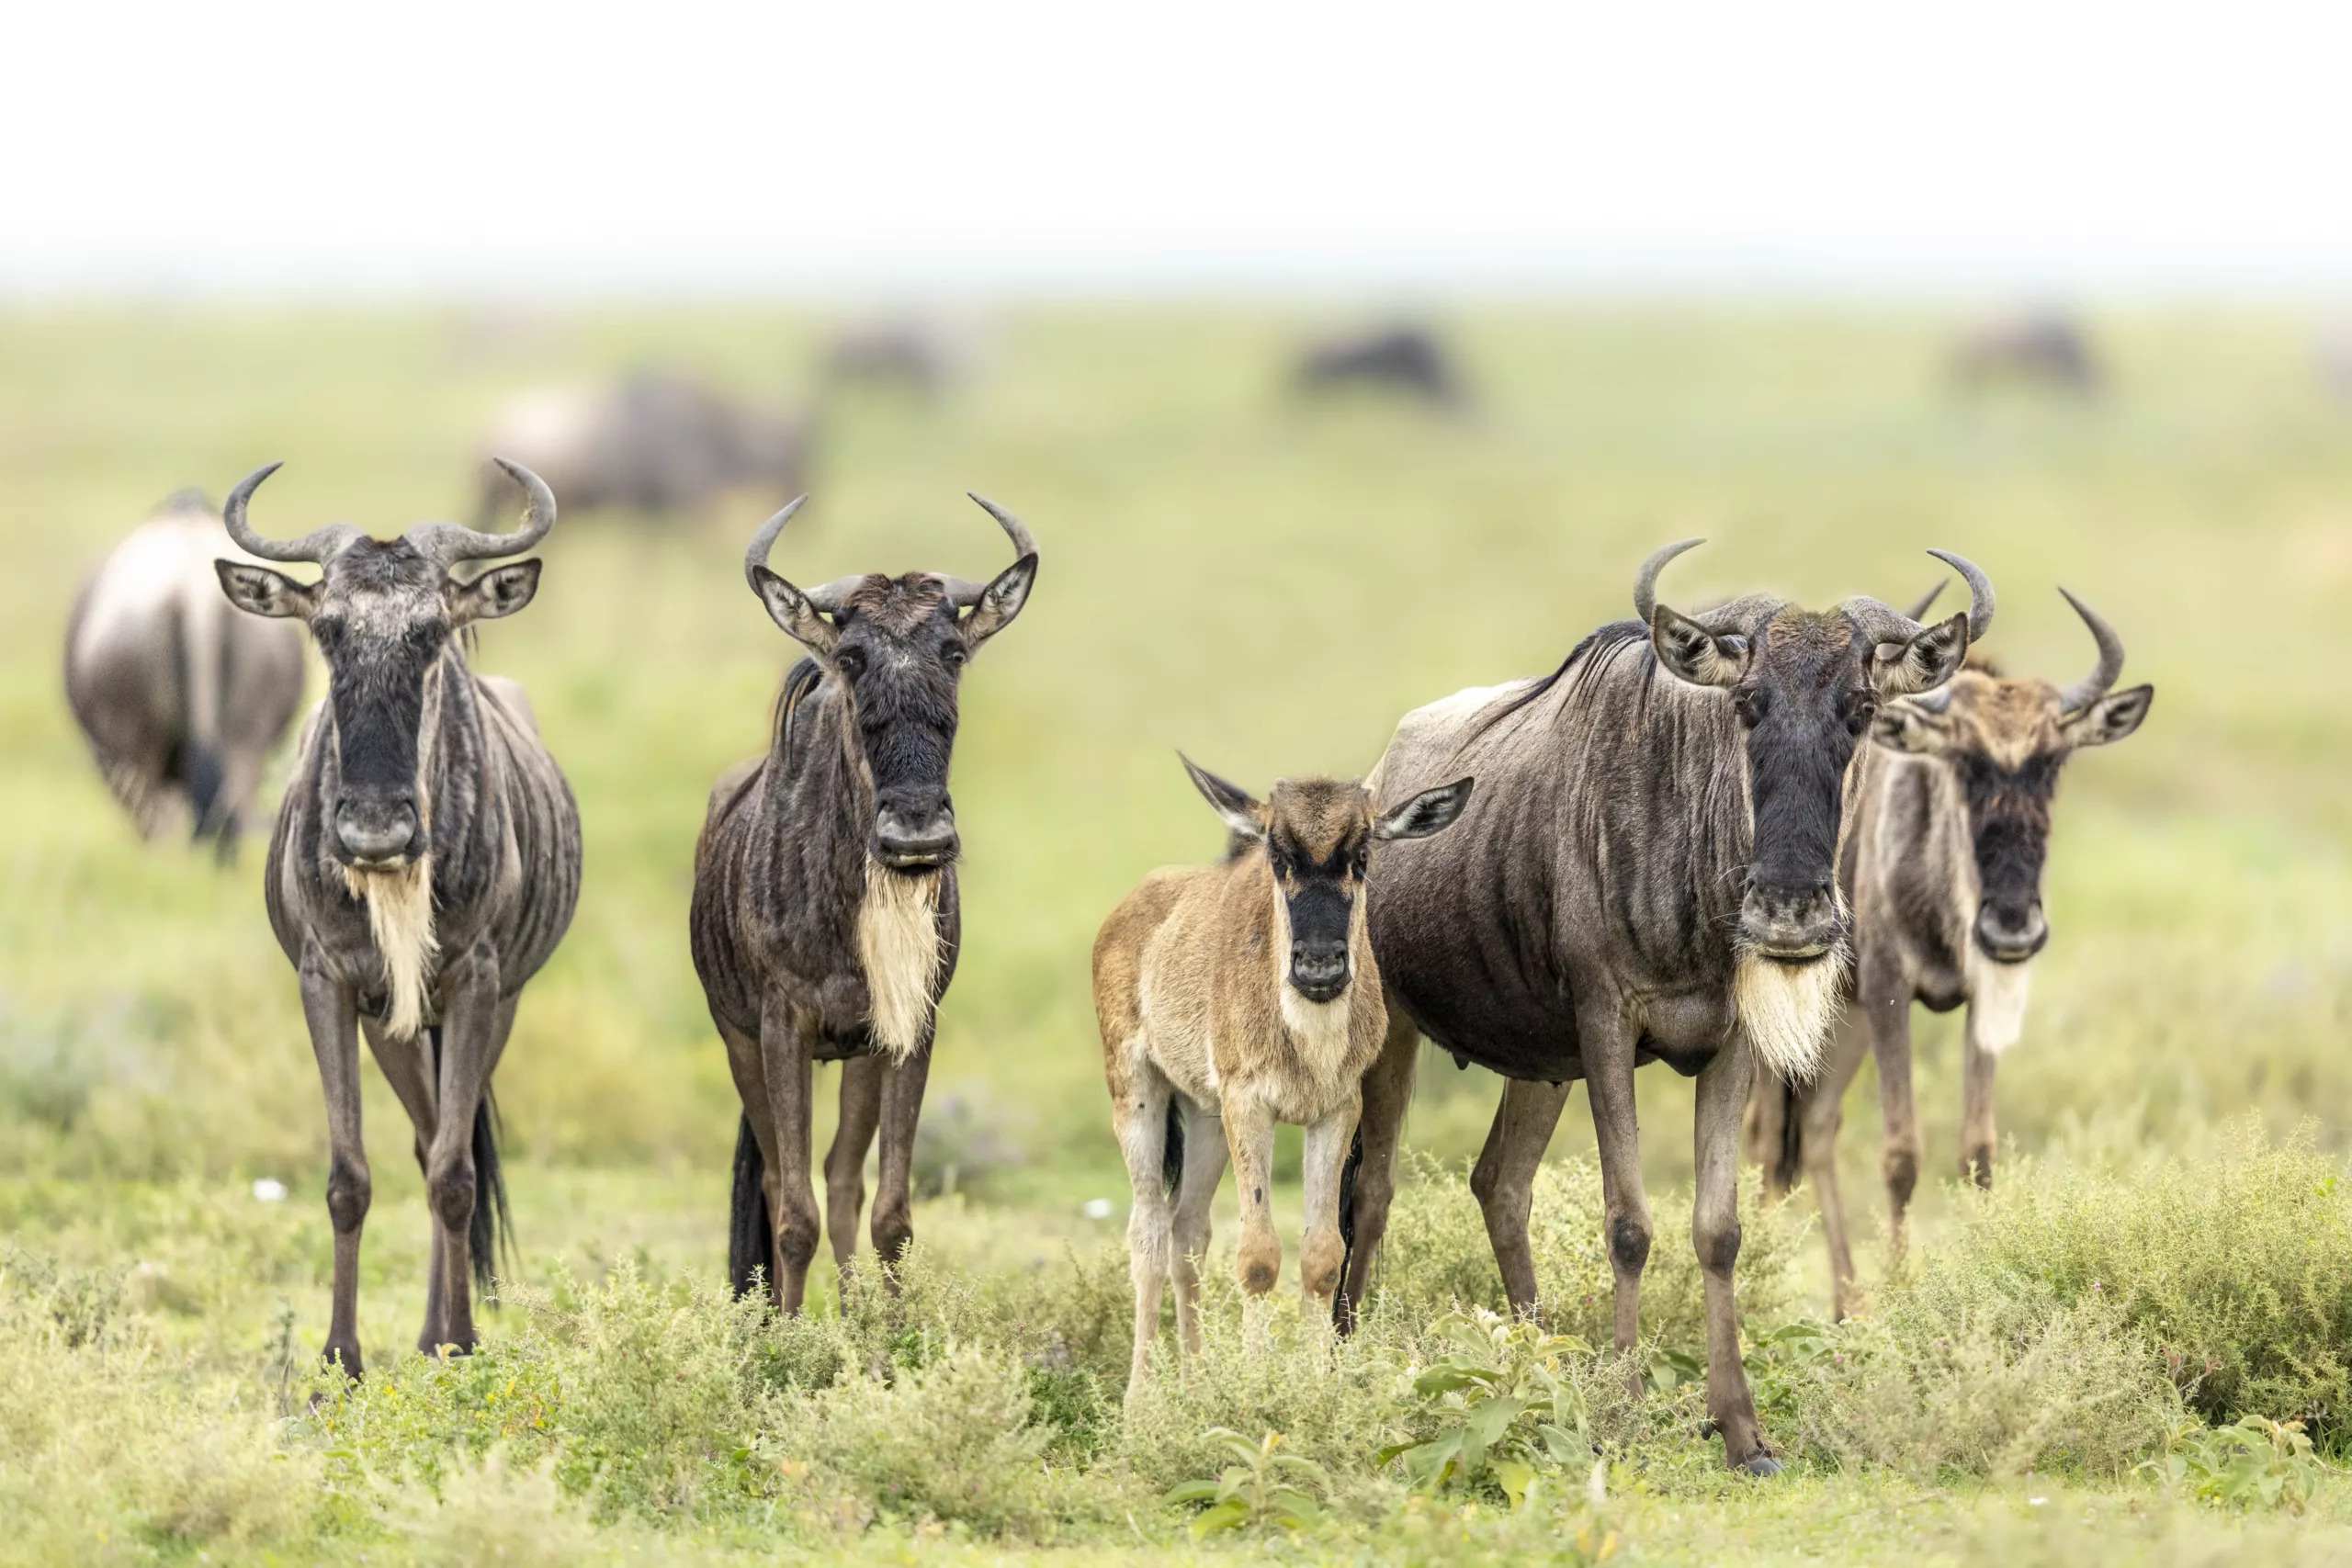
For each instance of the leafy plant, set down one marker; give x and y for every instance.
(1256, 1489)
(1499, 1410)
(2253, 1462)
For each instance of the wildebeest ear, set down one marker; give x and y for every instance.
(2111, 718)
(1693, 653)
(791, 610)
(1431, 811)
(258, 591)
(1000, 601)
(1241, 812)
(1909, 729)
(499, 592)
(1927, 661)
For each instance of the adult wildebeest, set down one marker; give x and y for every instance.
(825, 923)
(1645, 875)
(652, 441)
(2046, 348)
(1246, 994)
(425, 863)
(1943, 870)
(1406, 359)
(922, 359)
(179, 699)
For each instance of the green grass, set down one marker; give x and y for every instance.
(1269, 590)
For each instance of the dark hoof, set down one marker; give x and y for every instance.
(1760, 1463)
(344, 1359)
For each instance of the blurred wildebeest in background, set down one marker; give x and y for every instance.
(1404, 358)
(655, 441)
(919, 356)
(180, 696)
(2045, 348)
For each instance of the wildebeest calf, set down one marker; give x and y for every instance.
(1246, 992)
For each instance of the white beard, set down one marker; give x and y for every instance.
(1786, 1010)
(1318, 1029)
(1996, 999)
(400, 920)
(898, 948)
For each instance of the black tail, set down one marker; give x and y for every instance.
(1342, 1309)
(1171, 1152)
(491, 1234)
(751, 1237)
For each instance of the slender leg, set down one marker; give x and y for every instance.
(407, 1066)
(1770, 1107)
(1607, 1044)
(1977, 1134)
(903, 1087)
(1714, 1233)
(1820, 1111)
(1249, 1137)
(845, 1161)
(1387, 1089)
(787, 1064)
(1139, 1119)
(1204, 1158)
(1320, 1252)
(1504, 1178)
(748, 1069)
(330, 1011)
(468, 1027)
(1885, 998)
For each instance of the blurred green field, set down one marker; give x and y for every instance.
(1265, 586)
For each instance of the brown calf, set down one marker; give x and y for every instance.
(1246, 992)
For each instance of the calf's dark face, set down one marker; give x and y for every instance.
(1805, 688)
(382, 616)
(1320, 836)
(2005, 741)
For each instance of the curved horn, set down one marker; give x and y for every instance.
(1919, 612)
(1980, 592)
(449, 543)
(962, 592)
(319, 545)
(1645, 580)
(2096, 684)
(764, 539)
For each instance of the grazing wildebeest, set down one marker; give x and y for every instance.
(1246, 992)
(652, 441)
(1406, 359)
(179, 699)
(1646, 875)
(2046, 348)
(825, 923)
(916, 356)
(1943, 870)
(425, 863)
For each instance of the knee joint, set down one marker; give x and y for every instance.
(893, 1234)
(348, 1192)
(1901, 1166)
(451, 1193)
(1629, 1244)
(796, 1239)
(1717, 1240)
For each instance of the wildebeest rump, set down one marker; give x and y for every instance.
(2046, 348)
(425, 863)
(180, 697)
(1944, 873)
(654, 442)
(825, 922)
(1644, 875)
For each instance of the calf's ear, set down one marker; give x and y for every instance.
(1240, 811)
(1691, 652)
(257, 591)
(496, 592)
(2111, 718)
(1927, 661)
(1431, 811)
(1908, 727)
(790, 609)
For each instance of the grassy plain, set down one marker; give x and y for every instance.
(1267, 588)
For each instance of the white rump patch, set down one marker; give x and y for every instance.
(1996, 999)
(1321, 1029)
(898, 947)
(399, 918)
(1786, 1009)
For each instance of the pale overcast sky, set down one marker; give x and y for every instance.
(1104, 148)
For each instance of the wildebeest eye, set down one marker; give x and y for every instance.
(1361, 861)
(1751, 703)
(850, 661)
(1860, 708)
(955, 655)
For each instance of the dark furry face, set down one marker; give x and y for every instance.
(1805, 704)
(900, 655)
(1318, 845)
